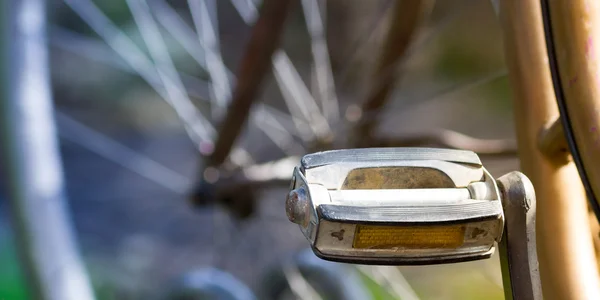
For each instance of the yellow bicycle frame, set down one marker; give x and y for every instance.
(566, 256)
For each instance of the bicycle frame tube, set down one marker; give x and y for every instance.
(573, 35)
(565, 252)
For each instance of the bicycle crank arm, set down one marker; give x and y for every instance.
(518, 253)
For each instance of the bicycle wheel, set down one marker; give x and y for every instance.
(154, 43)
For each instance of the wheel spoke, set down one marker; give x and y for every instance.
(94, 141)
(450, 139)
(391, 279)
(363, 41)
(277, 133)
(496, 5)
(182, 32)
(322, 64)
(460, 87)
(92, 49)
(294, 125)
(406, 19)
(205, 20)
(296, 94)
(241, 157)
(419, 44)
(298, 284)
(272, 172)
(445, 92)
(246, 9)
(195, 124)
(177, 28)
(436, 96)
(416, 47)
(165, 67)
(197, 88)
(97, 51)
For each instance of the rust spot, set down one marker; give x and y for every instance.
(339, 234)
(573, 80)
(397, 178)
(589, 48)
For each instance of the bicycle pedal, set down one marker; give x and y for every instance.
(396, 206)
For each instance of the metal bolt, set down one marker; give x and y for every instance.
(296, 206)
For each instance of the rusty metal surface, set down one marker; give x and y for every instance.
(397, 178)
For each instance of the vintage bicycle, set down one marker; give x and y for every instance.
(552, 62)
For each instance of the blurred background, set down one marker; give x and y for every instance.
(136, 230)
